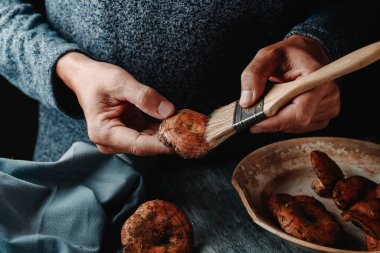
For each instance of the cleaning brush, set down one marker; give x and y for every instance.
(232, 118)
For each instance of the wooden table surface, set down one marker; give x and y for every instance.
(203, 189)
(221, 223)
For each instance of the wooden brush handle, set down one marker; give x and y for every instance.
(282, 93)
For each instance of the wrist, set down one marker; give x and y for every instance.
(313, 46)
(305, 40)
(70, 67)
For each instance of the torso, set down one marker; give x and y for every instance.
(191, 51)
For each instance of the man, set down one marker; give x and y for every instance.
(115, 62)
(191, 54)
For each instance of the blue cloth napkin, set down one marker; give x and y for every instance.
(77, 204)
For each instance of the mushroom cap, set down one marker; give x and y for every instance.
(185, 132)
(327, 171)
(351, 190)
(370, 226)
(157, 226)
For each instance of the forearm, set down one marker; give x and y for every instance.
(29, 50)
(337, 26)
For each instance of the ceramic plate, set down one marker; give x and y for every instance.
(285, 167)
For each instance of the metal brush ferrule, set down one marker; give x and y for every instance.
(246, 117)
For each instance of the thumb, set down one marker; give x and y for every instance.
(256, 75)
(147, 100)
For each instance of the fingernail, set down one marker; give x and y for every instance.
(165, 108)
(246, 97)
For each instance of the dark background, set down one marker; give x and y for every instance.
(18, 125)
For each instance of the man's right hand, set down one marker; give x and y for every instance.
(111, 100)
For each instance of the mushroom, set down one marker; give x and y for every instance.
(185, 132)
(351, 190)
(305, 218)
(328, 173)
(366, 215)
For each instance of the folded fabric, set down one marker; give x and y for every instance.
(76, 204)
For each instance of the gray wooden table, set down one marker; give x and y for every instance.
(204, 191)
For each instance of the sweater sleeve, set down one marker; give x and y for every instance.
(338, 26)
(29, 50)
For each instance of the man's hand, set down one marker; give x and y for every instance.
(285, 61)
(111, 100)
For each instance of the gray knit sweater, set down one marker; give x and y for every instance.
(191, 51)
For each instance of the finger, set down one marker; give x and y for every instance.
(331, 97)
(256, 74)
(298, 113)
(307, 105)
(151, 129)
(330, 105)
(147, 132)
(106, 149)
(277, 79)
(147, 99)
(283, 120)
(129, 141)
(140, 144)
(313, 126)
(332, 112)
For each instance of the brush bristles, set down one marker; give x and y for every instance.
(220, 125)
